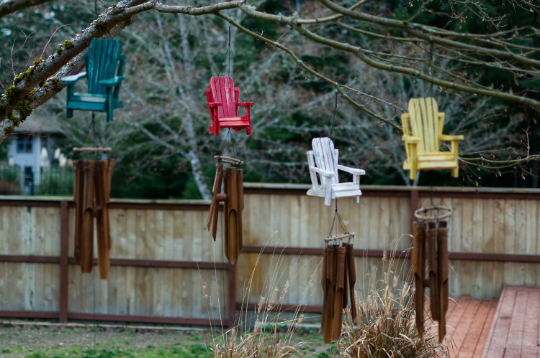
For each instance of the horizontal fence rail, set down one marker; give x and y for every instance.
(166, 269)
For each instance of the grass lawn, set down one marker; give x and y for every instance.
(50, 342)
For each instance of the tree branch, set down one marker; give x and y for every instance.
(10, 6)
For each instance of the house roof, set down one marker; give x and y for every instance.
(37, 123)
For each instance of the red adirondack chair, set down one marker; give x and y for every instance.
(223, 103)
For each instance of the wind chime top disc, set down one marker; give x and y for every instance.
(433, 214)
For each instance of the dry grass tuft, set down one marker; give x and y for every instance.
(386, 325)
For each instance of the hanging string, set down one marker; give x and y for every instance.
(431, 63)
(228, 143)
(340, 222)
(348, 134)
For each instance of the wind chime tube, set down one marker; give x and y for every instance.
(328, 310)
(351, 269)
(103, 229)
(78, 188)
(212, 220)
(240, 191)
(339, 291)
(87, 242)
(323, 285)
(442, 254)
(431, 240)
(418, 270)
(346, 281)
(231, 211)
(108, 194)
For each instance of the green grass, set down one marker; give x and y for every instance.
(183, 351)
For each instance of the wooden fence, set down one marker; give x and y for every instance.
(167, 269)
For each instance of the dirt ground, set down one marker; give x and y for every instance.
(128, 341)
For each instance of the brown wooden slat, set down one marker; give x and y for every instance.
(164, 263)
(464, 325)
(470, 341)
(530, 329)
(30, 259)
(485, 330)
(29, 314)
(64, 267)
(146, 319)
(281, 308)
(517, 322)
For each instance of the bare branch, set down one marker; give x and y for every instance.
(10, 6)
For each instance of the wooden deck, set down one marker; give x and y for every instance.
(514, 332)
(468, 325)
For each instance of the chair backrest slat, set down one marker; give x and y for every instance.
(223, 92)
(424, 116)
(326, 157)
(101, 63)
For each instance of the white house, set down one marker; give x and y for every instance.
(31, 147)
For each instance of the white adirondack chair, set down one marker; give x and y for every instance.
(322, 160)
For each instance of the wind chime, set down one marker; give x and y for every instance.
(91, 192)
(337, 280)
(430, 243)
(231, 180)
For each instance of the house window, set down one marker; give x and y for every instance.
(28, 176)
(24, 144)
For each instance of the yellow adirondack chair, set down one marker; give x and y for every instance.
(422, 128)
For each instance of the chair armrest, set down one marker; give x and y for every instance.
(69, 80)
(214, 104)
(410, 139)
(244, 104)
(452, 137)
(353, 171)
(111, 82)
(322, 172)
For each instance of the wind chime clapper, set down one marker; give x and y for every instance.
(91, 192)
(337, 280)
(231, 179)
(430, 245)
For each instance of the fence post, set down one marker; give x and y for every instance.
(64, 251)
(232, 295)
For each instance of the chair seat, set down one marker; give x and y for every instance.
(88, 97)
(436, 157)
(432, 162)
(234, 120)
(91, 102)
(339, 190)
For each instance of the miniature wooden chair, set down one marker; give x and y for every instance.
(102, 63)
(323, 160)
(423, 138)
(223, 103)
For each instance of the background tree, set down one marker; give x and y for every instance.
(375, 54)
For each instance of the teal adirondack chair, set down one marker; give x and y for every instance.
(102, 62)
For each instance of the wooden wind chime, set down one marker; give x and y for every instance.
(231, 179)
(91, 193)
(430, 244)
(337, 280)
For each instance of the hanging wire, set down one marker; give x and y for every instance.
(348, 134)
(340, 222)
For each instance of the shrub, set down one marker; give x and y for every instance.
(56, 182)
